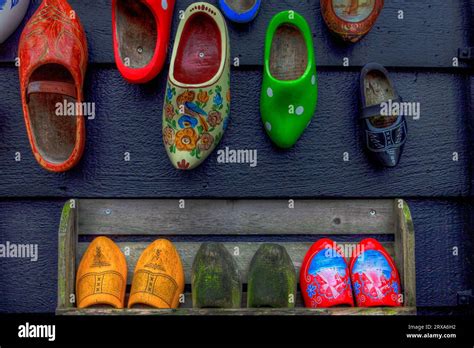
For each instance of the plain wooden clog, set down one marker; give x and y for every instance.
(53, 55)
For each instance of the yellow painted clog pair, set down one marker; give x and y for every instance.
(101, 279)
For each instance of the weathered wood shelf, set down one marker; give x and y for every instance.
(135, 223)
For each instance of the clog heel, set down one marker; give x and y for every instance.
(324, 276)
(141, 32)
(102, 275)
(197, 99)
(351, 20)
(158, 281)
(240, 11)
(53, 55)
(11, 15)
(384, 135)
(375, 276)
(289, 91)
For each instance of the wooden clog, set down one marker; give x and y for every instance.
(215, 278)
(351, 19)
(384, 136)
(324, 276)
(197, 100)
(12, 13)
(240, 11)
(141, 32)
(374, 276)
(272, 278)
(53, 56)
(158, 280)
(289, 91)
(102, 275)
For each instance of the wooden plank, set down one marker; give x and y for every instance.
(243, 311)
(392, 42)
(235, 217)
(67, 242)
(246, 251)
(405, 252)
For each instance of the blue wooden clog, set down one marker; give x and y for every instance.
(240, 11)
(384, 135)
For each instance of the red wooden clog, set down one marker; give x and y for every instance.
(374, 276)
(53, 61)
(141, 31)
(351, 19)
(324, 276)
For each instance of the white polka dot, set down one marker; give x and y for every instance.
(313, 80)
(268, 126)
(164, 4)
(299, 110)
(270, 92)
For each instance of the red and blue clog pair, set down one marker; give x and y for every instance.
(371, 279)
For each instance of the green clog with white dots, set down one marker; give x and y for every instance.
(289, 91)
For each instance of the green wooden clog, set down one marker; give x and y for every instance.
(215, 278)
(289, 91)
(272, 278)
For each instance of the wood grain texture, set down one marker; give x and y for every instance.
(392, 42)
(127, 122)
(235, 217)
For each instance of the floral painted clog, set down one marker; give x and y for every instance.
(289, 91)
(102, 275)
(215, 278)
(351, 19)
(158, 280)
(197, 100)
(324, 276)
(374, 276)
(53, 55)
(240, 11)
(12, 13)
(141, 32)
(384, 135)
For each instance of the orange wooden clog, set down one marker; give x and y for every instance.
(102, 275)
(53, 61)
(159, 277)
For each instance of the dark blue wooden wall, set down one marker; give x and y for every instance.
(418, 51)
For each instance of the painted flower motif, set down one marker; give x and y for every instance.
(186, 139)
(169, 111)
(218, 99)
(203, 97)
(187, 96)
(205, 142)
(169, 94)
(395, 287)
(214, 118)
(183, 164)
(168, 136)
(228, 96)
(357, 287)
(311, 290)
(187, 121)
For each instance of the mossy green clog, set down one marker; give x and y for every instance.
(215, 278)
(272, 278)
(289, 91)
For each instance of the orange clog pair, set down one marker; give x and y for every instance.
(101, 279)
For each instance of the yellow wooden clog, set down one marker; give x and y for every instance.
(159, 277)
(102, 275)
